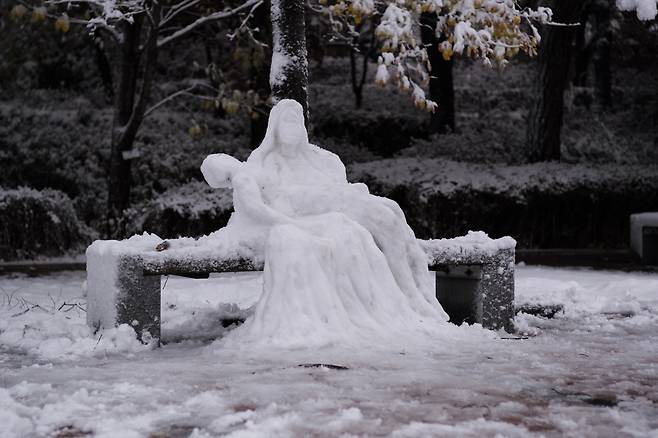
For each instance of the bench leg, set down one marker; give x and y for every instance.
(458, 289)
(138, 300)
(497, 292)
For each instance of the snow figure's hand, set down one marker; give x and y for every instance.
(219, 170)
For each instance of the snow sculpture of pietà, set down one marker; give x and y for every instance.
(341, 265)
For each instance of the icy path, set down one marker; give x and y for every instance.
(592, 371)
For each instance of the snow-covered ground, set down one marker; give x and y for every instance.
(591, 371)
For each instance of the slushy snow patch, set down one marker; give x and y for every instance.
(52, 327)
(586, 372)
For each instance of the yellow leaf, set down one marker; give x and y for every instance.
(39, 14)
(17, 12)
(62, 24)
(194, 130)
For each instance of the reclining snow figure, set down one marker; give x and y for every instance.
(341, 265)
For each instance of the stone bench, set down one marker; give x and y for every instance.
(474, 276)
(644, 237)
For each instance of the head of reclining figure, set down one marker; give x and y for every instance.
(219, 169)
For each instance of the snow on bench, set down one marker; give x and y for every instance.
(474, 276)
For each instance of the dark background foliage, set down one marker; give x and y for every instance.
(55, 119)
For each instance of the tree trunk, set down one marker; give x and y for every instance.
(289, 70)
(129, 110)
(441, 83)
(358, 80)
(583, 50)
(104, 67)
(545, 118)
(119, 180)
(602, 12)
(261, 80)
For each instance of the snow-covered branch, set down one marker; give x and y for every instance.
(645, 9)
(40, 12)
(177, 9)
(206, 19)
(183, 92)
(489, 30)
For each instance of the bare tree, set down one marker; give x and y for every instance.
(546, 113)
(137, 30)
(289, 71)
(441, 84)
(545, 119)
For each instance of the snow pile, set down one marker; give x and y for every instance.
(45, 317)
(585, 373)
(200, 309)
(588, 291)
(341, 265)
(55, 339)
(600, 298)
(48, 322)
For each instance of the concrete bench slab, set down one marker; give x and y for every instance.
(123, 277)
(644, 237)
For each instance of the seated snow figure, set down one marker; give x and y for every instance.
(341, 265)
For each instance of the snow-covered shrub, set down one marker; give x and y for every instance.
(39, 223)
(193, 209)
(48, 140)
(543, 205)
(382, 133)
(36, 55)
(384, 125)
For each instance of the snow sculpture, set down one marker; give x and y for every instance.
(341, 265)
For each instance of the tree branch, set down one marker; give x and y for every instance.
(168, 98)
(150, 60)
(208, 18)
(244, 22)
(112, 32)
(177, 9)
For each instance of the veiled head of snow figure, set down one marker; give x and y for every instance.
(286, 134)
(290, 130)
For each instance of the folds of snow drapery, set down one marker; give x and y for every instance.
(341, 265)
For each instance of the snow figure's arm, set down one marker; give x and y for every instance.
(248, 202)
